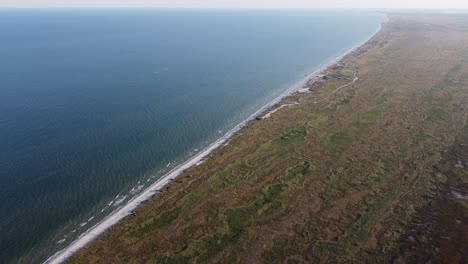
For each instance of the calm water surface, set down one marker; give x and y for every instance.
(95, 105)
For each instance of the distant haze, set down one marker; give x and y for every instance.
(440, 4)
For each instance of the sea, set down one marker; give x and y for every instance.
(98, 104)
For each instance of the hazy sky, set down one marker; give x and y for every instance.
(240, 3)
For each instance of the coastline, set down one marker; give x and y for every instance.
(125, 210)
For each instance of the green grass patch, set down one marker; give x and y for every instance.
(196, 195)
(456, 69)
(332, 108)
(328, 110)
(208, 247)
(420, 137)
(228, 176)
(231, 175)
(385, 171)
(295, 176)
(346, 100)
(449, 169)
(378, 100)
(442, 85)
(295, 136)
(371, 116)
(159, 222)
(441, 101)
(396, 45)
(339, 138)
(361, 228)
(237, 219)
(435, 116)
(460, 172)
(235, 173)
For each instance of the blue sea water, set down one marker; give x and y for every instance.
(95, 105)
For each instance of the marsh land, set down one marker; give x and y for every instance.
(370, 167)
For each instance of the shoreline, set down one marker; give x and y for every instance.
(92, 233)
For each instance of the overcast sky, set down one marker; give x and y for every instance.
(448, 4)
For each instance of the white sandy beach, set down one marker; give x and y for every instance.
(127, 209)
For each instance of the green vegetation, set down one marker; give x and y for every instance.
(235, 174)
(239, 171)
(328, 110)
(420, 137)
(237, 220)
(334, 107)
(295, 175)
(454, 71)
(441, 101)
(338, 139)
(346, 100)
(378, 100)
(438, 114)
(371, 116)
(450, 169)
(360, 229)
(435, 116)
(157, 223)
(386, 170)
(293, 137)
